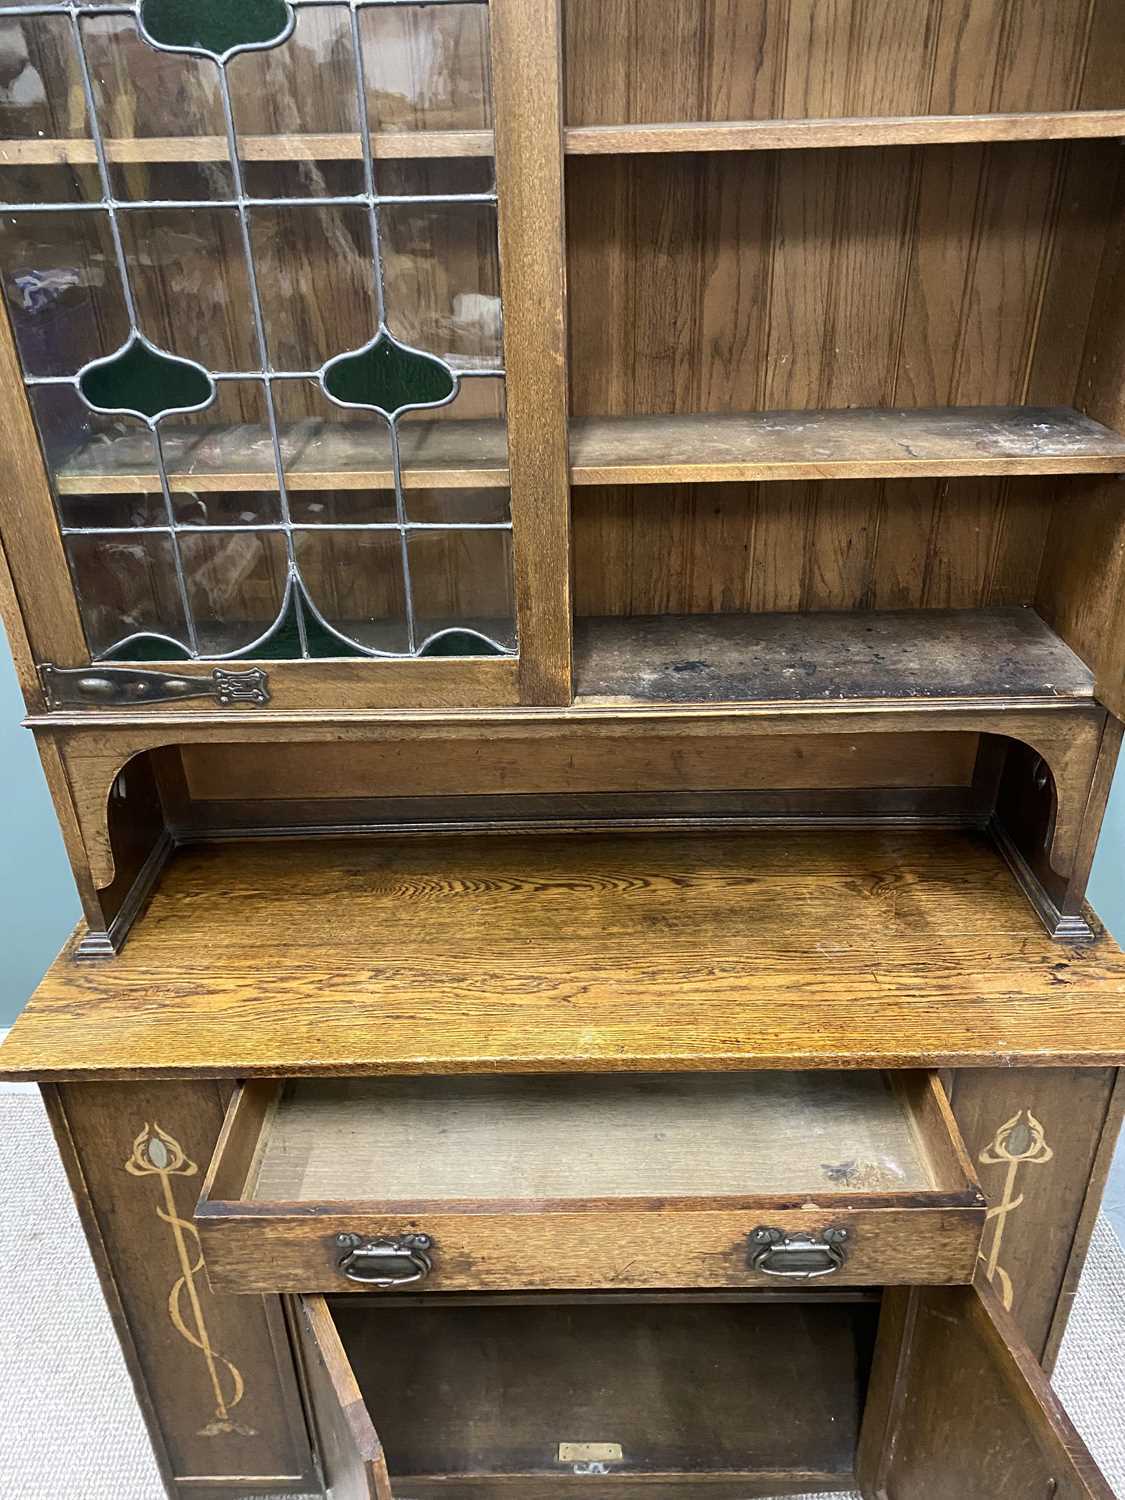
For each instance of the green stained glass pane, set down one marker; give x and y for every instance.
(147, 648)
(388, 377)
(460, 643)
(146, 382)
(285, 643)
(216, 26)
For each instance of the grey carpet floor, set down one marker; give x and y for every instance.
(69, 1425)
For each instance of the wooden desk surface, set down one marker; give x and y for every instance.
(574, 953)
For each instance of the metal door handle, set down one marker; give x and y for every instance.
(800, 1256)
(385, 1262)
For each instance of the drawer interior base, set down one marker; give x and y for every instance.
(472, 1397)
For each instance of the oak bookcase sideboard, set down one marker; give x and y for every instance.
(566, 561)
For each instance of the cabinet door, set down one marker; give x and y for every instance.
(281, 306)
(958, 1408)
(350, 1454)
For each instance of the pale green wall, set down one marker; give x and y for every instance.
(1107, 888)
(38, 902)
(38, 905)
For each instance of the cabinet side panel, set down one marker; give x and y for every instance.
(1033, 1137)
(214, 1375)
(31, 536)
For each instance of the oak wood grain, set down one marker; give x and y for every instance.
(593, 953)
(811, 135)
(503, 1174)
(825, 654)
(785, 64)
(348, 1445)
(963, 1410)
(678, 1387)
(527, 91)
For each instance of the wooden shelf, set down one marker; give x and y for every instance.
(760, 446)
(848, 444)
(586, 140)
(582, 953)
(396, 145)
(1006, 654)
(797, 135)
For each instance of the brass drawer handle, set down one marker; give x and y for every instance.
(385, 1262)
(801, 1256)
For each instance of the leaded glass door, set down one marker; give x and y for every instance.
(250, 261)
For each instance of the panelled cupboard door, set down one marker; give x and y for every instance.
(282, 357)
(959, 1409)
(659, 1397)
(350, 1455)
(467, 1184)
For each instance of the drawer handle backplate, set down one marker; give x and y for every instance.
(385, 1262)
(801, 1256)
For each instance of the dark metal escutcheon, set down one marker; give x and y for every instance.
(385, 1262)
(801, 1256)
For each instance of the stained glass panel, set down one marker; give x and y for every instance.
(249, 255)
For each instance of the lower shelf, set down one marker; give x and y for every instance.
(756, 1398)
(1007, 653)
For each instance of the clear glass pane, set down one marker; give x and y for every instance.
(467, 438)
(154, 107)
(208, 507)
(421, 178)
(120, 511)
(227, 446)
(427, 67)
(458, 507)
(442, 271)
(316, 280)
(236, 583)
(325, 445)
(63, 289)
(87, 452)
(463, 580)
(189, 276)
(22, 182)
(354, 579)
(41, 96)
(342, 507)
(127, 586)
(282, 95)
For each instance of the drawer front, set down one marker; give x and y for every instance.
(619, 1247)
(914, 1231)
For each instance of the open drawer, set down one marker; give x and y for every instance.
(645, 1399)
(618, 1181)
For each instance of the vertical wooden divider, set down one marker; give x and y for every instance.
(527, 102)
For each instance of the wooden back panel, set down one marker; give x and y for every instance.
(653, 60)
(908, 276)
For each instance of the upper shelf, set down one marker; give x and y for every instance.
(589, 140)
(851, 444)
(757, 446)
(797, 135)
